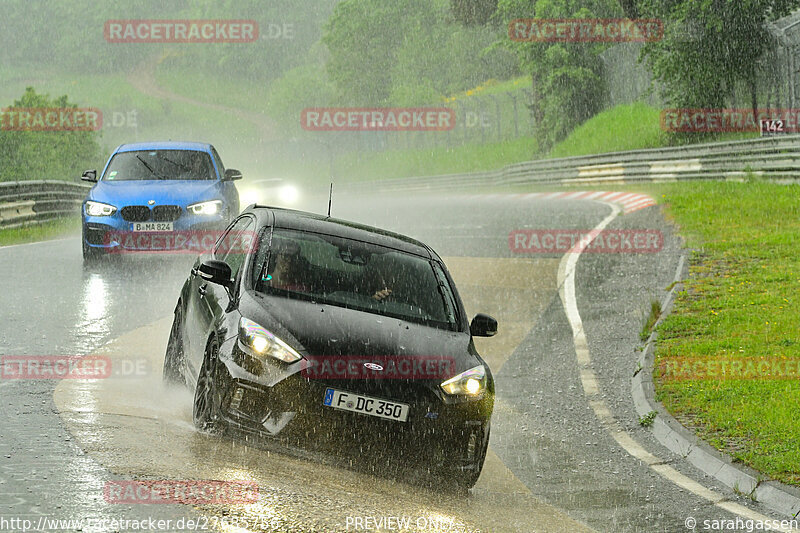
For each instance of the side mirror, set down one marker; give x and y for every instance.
(232, 174)
(215, 271)
(483, 326)
(89, 175)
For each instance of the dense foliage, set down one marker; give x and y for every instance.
(29, 155)
(710, 47)
(408, 52)
(566, 78)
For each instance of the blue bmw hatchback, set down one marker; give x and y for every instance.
(163, 187)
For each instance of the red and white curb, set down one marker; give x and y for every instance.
(628, 202)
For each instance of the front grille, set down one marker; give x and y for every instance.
(166, 213)
(136, 213)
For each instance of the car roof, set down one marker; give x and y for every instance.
(165, 145)
(312, 222)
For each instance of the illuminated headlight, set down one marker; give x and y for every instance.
(206, 208)
(262, 342)
(289, 194)
(469, 383)
(96, 209)
(249, 197)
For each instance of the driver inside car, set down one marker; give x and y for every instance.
(287, 267)
(376, 283)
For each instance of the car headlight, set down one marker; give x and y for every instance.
(263, 343)
(289, 194)
(97, 209)
(471, 382)
(206, 208)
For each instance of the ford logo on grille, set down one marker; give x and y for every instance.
(373, 366)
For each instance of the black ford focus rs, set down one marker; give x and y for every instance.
(298, 325)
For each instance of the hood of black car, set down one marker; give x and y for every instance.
(321, 330)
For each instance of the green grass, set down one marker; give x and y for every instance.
(40, 232)
(648, 419)
(738, 303)
(634, 126)
(652, 318)
(625, 127)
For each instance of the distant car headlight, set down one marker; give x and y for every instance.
(264, 343)
(289, 194)
(249, 197)
(206, 208)
(97, 209)
(471, 383)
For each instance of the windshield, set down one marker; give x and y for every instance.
(355, 275)
(160, 165)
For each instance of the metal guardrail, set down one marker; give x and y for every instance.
(773, 158)
(28, 202)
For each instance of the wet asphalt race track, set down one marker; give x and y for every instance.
(556, 462)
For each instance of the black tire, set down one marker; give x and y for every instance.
(90, 254)
(172, 373)
(467, 480)
(206, 410)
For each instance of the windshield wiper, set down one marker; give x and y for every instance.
(182, 167)
(148, 167)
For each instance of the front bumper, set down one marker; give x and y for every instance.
(283, 403)
(114, 234)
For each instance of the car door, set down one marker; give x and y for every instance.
(206, 302)
(229, 190)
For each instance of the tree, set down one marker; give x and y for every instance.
(473, 12)
(566, 78)
(26, 155)
(710, 46)
(363, 37)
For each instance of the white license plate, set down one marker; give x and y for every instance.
(151, 226)
(357, 403)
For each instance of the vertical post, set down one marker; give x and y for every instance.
(516, 118)
(499, 119)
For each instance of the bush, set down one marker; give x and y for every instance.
(37, 155)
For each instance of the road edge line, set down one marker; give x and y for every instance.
(589, 382)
